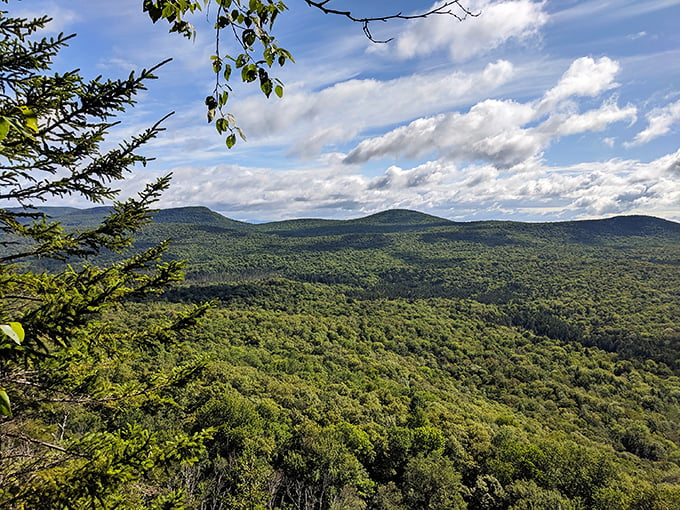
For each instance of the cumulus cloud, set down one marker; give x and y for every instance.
(490, 130)
(659, 122)
(585, 77)
(396, 178)
(499, 22)
(309, 120)
(504, 132)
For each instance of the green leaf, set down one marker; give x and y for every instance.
(14, 330)
(154, 11)
(5, 407)
(249, 73)
(4, 128)
(231, 141)
(169, 11)
(266, 87)
(30, 118)
(278, 90)
(268, 56)
(223, 98)
(248, 37)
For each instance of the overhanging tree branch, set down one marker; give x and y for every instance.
(255, 49)
(453, 8)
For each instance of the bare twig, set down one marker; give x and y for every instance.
(450, 8)
(39, 442)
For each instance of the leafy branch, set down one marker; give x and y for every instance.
(256, 50)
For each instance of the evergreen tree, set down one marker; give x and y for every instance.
(68, 437)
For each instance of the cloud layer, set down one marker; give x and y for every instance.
(484, 162)
(506, 133)
(475, 191)
(487, 160)
(309, 120)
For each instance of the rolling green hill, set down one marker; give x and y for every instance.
(403, 361)
(200, 217)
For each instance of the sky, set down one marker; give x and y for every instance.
(531, 111)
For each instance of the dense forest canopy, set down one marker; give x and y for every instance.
(406, 361)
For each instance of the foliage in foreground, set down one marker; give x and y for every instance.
(67, 386)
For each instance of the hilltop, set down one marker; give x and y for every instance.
(393, 220)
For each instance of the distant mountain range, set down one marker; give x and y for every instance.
(393, 220)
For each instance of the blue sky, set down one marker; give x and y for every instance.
(533, 111)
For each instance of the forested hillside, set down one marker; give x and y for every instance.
(610, 283)
(403, 361)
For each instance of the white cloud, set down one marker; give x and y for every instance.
(501, 131)
(428, 174)
(659, 122)
(498, 23)
(118, 64)
(309, 120)
(490, 130)
(592, 120)
(638, 35)
(587, 189)
(585, 77)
